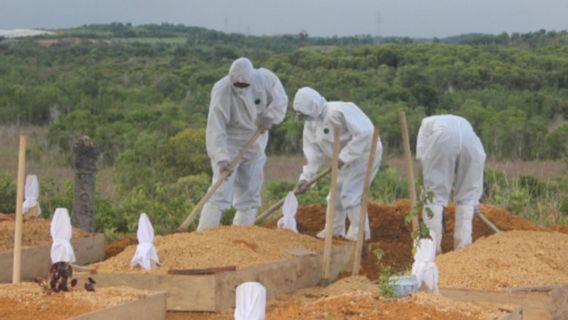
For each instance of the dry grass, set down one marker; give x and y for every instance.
(290, 167)
(41, 161)
(44, 163)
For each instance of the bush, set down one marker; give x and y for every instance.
(7, 194)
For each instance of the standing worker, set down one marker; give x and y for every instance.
(449, 148)
(321, 117)
(244, 100)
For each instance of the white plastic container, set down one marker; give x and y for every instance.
(404, 285)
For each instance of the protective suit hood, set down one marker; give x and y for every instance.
(241, 71)
(309, 102)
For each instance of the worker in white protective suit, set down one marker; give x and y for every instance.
(244, 100)
(451, 154)
(321, 117)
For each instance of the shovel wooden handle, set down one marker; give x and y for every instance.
(279, 204)
(410, 167)
(330, 215)
(197, 209)
(364, 200)
(488, 222)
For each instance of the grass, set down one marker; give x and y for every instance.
(532, 189)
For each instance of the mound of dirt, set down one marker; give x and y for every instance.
(29, 301)
(390, 233)
(117, 246)
(240, 246)
(35, 232)
(507, 259)
(356, 298)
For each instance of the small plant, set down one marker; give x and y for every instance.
(422, 232)
(386, 285)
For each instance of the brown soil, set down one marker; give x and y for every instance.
(117, 246)
(219, 247)
(355, 298)
(505, 260)
(29, 301)
(363, 305)
(36, 232)
(392, 235)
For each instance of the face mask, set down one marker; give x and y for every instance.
(304, 117)
(242, 91)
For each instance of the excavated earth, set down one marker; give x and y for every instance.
(392, 235)
(29, 300)
(35, 232)
(356, 298)
(239, 246)
(506, 260)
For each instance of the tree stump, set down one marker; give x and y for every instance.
(85, 164)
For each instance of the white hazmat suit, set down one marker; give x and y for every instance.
(451, 154)
(356, 136)
(234, 115)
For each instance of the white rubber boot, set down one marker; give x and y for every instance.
(210, 217)
(435, 224)
(352, 233)
(338, 226)
(244, 217)
(462, 228)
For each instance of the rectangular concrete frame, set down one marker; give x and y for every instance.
(152, 307)
(216, 292)
(36, 260)
(537, 303)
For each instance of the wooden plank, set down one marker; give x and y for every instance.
(152, 307)
(216, 292)
(188, 272)
(536, 305)
(36, 260)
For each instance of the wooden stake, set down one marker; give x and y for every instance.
(17, 266)
(410, 167)
(197, 209)
(279, 204)
(364, 201)
(330, 215)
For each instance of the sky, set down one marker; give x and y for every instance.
(405, 18)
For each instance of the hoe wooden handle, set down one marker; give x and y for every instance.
(197, 209)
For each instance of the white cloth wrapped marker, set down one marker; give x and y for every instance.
(31, 195)
(424, 266)
(145, 250)
(288, 220)
(61, 232)
(251, 301)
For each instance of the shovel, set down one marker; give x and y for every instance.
(486, 220)
(330, 214)
(364, 201)
(197, 209)
(279, 204)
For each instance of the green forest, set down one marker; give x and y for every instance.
(142, 94)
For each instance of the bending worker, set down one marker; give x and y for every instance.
(244, 100)
(451, 153)
(321, 117)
